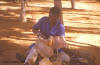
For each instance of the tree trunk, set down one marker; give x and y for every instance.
(22, 15)
(72, 4)
(57, 3)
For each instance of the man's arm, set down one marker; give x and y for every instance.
(38, 25)
(36, 32)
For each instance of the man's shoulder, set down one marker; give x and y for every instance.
(59, 23)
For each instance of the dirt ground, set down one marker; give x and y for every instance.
(82, 26)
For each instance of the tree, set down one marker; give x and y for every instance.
(73, 4)
(22, 14)
(57, 3)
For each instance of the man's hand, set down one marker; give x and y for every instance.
(59, 42)
(36, 32)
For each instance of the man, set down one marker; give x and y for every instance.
(51, 26)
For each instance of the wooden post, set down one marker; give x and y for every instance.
(72, 4)
(22, 15)
(57, 3)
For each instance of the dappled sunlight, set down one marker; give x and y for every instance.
(75, 40)
(82, 26)
(86, 19)
(66, 4)
(36, 12)
(83, 36)
(20, 41)
(14, 14)
(17, 29)
(88, 6)
(34, 8)
(27, 32)
(84, 39)
(10, 15)
(82, 6)
(42, 4)
(8, 7)
(72, 46)
(36, 17)
(3, 2)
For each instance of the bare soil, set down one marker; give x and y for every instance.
(82, 26)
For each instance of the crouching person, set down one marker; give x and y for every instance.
(51, 26)
(53, 33)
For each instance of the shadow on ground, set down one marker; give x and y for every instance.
(12, 27)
